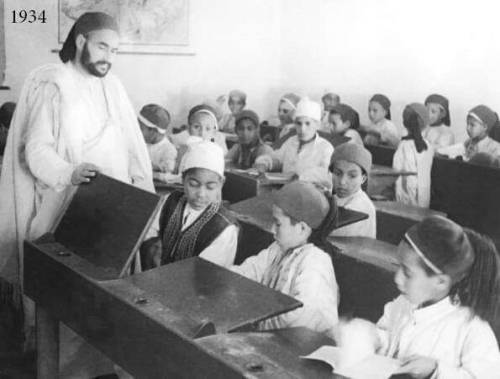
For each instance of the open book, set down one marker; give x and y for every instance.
(372, 366)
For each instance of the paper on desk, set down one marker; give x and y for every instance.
(167, 177)
(278, 176)
(373, 366)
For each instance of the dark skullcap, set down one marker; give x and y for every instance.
(86, 23)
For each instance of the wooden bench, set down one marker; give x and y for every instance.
(394, 219)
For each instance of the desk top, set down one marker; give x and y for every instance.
(272, 354)
(404, 210)
(258, 211)
(106, 221)
(369, 250)
(209, 293)
(379, 170)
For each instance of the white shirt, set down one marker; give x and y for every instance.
(222, 250)
(354, 136)
(389, 134)
(305, 273)
(163, 155)
(438, 136)
(464, 347)
(413, 189)
(486, 145)
(360, 202)
(310, 164)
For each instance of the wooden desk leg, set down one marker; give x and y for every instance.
(47, 345)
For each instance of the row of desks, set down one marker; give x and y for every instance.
(173, 320)
(466, 192)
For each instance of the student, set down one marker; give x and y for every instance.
(306, 155)
(448, 277)
(350, 166)
(286, 113)
(236, 103)
(329, 100)
(243, 154)
(202, 122)
(202, 125)
(438, 134)
(480, 120)
(154, 122)
(296, 263)
(382, 131)
(414, 154)
(194, 222)
(345, 121)
(6, 113)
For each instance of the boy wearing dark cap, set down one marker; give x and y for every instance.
(243, 154)
(296, 263)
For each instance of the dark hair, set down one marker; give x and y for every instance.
(412, 123)
(470, 259)
(320, 234)
(480, 288)
(347, 113)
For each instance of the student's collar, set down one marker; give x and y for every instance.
(252, 145)
(342, 201)
(297, 249)
(313, 139)
(189, 209)
(438, 309)
(483, 141)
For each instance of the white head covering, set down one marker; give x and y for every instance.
(308, 108)
(203, 154)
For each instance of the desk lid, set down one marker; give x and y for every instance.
(106, 221)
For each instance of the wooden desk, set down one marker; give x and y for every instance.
(382, 177)
(209, 293)
(381, 155)
(364, 268)
(275, 354)
(241, 185)
(394, 219)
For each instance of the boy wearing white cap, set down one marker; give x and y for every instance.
(306, 154)
(296, 263)
(154, 121)
(195, 223)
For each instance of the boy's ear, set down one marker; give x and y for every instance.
(348, 123)
(443, 282)
(80, 41)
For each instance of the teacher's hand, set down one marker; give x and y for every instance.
(83, 173)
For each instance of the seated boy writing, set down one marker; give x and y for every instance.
(195, 223)
(243, 154)
(305, 155)
(154, 122)
(296, 263)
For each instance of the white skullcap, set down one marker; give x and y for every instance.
(203, 154)
(308, 108)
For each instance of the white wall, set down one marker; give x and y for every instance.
(236, 44)
(404, 49)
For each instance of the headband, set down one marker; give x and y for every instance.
(422, 256)
(210, 113)
(149, 124)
